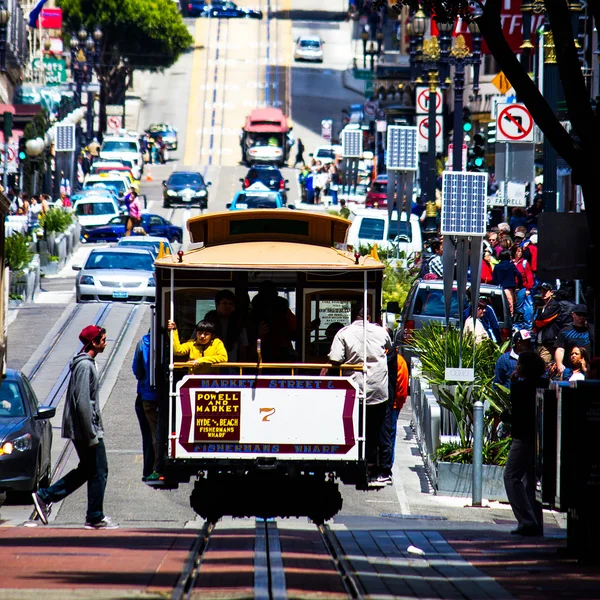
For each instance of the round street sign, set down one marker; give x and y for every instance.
(515, 124)
(114, 122)
(424, 128)
(370, 108)
(423, 101)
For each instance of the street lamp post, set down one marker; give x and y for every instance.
(364, 36)
(431, 56)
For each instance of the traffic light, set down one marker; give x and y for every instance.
(478, 153)
(467, 125)
(22, 153)
(8, 125)
(491, 133)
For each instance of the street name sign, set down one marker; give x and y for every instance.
(514, 124)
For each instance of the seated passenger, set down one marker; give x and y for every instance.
(229, 325)
(272, 321)
(204, 351)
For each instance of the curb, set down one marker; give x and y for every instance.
(349, 83)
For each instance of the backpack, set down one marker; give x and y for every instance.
(424, 268)
(565, 316)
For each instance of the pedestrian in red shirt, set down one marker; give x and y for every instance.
(524, 302)
(487, 268)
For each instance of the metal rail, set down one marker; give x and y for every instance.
(350, 581)
(191, 568)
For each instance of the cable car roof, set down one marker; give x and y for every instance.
(268, 225)
(270, 255)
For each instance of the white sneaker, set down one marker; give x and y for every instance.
(106, 523)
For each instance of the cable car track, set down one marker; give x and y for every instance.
(269, 571)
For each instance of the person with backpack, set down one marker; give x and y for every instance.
(146, 409)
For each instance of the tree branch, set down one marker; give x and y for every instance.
(491, 29)
(576, 93)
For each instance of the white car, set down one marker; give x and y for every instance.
(93, 211)
(371, 226)
(353, 194)
(309, 47)
(116, 274)
(115, 147)
(327, 154)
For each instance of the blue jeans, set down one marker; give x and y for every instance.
(93, 469)
(394, 416)
(523, 310)
(334, 197)
(147, 447)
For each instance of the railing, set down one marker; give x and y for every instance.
(293, 367)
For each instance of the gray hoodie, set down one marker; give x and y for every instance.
(81, 418)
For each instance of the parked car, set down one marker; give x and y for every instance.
(168, 133)
(185, 188)
(353, 194)
(309, 47)
(116, 274)
(149, 242)
(327, 154)
(116, 228)
(260, 177)
(221, 9)
(25, 436)
(371, 227)
(96, 210)
(120, 184)
(256, 199)
(425, 303)
(377, 194)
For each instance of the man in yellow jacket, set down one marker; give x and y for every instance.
(204, 351)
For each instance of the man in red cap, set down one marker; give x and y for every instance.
(82, 423)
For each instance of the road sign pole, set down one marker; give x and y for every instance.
(5, 174)
(505, 199)
(459, 86)
(431, 166)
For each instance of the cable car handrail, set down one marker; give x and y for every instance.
(287, 366)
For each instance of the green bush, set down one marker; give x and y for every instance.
(55, 220)
(17, 251)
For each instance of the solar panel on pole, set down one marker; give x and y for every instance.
(65, 138)
(463, 203)
(401, 149)
(352, 143)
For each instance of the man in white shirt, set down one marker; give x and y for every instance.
(348, 348)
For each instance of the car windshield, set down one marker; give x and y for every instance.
(371, 229)
(95, 208)
(266, 175)
(399, 231)
(120, 260)
(312, 44)
(430, 303)
(11, 402)
(113, 184)
(119, 146)
(379, 188)
(152, 246)
(254, 201)
(325, 153)
(186, 179)
(161, 129)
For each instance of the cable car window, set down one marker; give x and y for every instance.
(286, 227)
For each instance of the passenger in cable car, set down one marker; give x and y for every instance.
(205, 350)
(229, 325)
(272, 321)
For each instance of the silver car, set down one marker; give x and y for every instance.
(309, 48)
(149, 242)
(116, 275)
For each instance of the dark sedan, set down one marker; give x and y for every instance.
(186, 188)
(25, 436)
(261, 177)
(117, 226)
(221, 9)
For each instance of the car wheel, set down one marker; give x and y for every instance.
(166, 204)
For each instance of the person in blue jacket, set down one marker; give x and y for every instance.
(146, 409)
